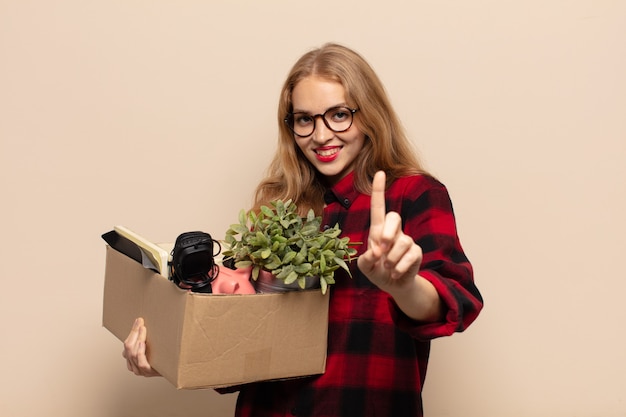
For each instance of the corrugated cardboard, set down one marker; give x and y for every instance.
(208, 341)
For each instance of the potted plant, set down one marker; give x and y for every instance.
(293, 249)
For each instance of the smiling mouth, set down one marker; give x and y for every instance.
(326, 152)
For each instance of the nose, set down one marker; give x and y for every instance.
(229, 286)
(322, 133)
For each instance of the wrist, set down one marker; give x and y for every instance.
(418, 299)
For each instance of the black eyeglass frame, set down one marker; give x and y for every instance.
(323, 116)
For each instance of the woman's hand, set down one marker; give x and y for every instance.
(135, 350)
(392, 260)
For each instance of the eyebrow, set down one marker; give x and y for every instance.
(295, 110)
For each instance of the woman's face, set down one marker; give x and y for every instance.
(332, 154)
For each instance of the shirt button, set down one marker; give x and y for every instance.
(326, 227)
(346, 201)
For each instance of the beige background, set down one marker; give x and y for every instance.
(159, 115)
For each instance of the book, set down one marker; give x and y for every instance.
(157, 254)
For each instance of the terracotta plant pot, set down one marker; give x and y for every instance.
(268, 283)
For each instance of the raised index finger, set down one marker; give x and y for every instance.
(377, 205)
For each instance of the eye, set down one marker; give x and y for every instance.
(339, 114)
(302, 119)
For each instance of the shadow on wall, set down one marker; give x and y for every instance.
(157, 397)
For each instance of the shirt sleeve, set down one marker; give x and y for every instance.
(428, 216)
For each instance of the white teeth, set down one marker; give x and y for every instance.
(327, 152)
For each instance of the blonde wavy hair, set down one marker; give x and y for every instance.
(291, 176)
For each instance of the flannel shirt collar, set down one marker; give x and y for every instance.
(343, 192)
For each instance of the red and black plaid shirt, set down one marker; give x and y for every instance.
(377, 356)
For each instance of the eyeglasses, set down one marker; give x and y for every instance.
(338, 119)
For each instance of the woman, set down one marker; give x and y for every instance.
(342, 151)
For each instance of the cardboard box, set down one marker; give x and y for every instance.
(208, 341)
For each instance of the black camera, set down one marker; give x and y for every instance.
(192, 265)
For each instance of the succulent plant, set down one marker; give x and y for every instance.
(292, 248)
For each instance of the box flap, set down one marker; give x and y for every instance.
(132, 291)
